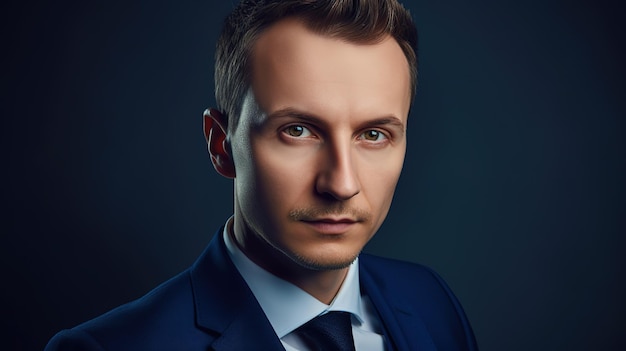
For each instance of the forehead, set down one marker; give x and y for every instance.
(293, 67)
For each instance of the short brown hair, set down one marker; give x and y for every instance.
(359, 21)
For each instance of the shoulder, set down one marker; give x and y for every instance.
(158, 320)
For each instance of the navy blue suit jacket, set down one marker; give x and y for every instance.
(210, 307)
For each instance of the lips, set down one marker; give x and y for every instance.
(331, 226)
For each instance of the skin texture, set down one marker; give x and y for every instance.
(317, 153)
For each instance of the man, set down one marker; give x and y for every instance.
(313, 100)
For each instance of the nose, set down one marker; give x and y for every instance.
(337, 177)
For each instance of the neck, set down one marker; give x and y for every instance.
(321, 284)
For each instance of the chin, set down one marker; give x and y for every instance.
(324, 262)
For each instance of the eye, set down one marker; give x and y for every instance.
(297, 131)
(373, 135)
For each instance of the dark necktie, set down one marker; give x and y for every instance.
(329, 332)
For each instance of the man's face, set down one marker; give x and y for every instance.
(319, 146)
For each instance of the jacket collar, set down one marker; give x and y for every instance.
(230, 310)
(402, 325)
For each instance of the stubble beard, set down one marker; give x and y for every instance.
(320, 264)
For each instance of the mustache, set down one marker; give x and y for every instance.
(312, 213)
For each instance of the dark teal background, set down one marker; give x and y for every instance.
(513, 187)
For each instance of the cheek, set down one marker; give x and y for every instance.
(276, 178)
(380, 200)
(379, 181)
(385, 189)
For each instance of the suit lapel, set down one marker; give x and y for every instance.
(248, 331)
(225, 306)
(404, 327)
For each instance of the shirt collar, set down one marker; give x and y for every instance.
(286, 306)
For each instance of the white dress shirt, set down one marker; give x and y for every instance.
(287, 307)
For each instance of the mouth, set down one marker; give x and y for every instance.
(331, 226)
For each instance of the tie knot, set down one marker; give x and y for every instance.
(330, 331)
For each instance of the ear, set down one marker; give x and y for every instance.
(215, 134)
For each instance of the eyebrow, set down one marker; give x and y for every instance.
(388, 120)
(293, 113)
(307, 117)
